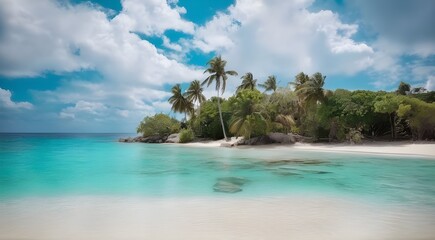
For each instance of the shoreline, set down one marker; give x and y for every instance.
(420, 149)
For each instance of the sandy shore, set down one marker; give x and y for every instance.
(390, 148)
(211, 218)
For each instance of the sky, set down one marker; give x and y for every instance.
(103, 65)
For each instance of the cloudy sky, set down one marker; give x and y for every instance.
(101, 66)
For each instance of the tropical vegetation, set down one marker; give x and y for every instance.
(303, 107)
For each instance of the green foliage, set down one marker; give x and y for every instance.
(420, 115)
(403, 88)
(186, 135)
(207, 124)
(311, 90)
(179, 102)
(389, 104)
(158, 125)
(344, 110)
(270, 84)
(219, 75)
(248, 82)
(428, 97)
(309, 110)
(300, 80)
(249, 116)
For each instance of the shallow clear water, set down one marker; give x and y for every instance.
(95, 164)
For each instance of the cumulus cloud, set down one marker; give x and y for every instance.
(47, 36)
(403, 28)
(276, 37)
(153, 17)
(83, 107)
(403, 23)
(6, 101)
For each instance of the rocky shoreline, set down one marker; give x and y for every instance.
(271, 138)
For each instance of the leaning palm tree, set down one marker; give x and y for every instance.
(270, 84)
(248, 82)
(179, 102)
(312, 90)
(194, 94)
(219, 75)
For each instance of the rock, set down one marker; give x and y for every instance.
(226, 144)
(281, 138)
(173, 138)
(256, 141)
(126, 140)
(152, 139)
(226, 187)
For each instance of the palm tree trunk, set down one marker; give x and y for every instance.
(220, 115)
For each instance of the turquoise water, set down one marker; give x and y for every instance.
(95, 164)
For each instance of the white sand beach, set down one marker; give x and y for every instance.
(297, 217)
(424, 149)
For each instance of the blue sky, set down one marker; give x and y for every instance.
(101, 66)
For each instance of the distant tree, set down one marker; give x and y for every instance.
(428, 97)
(158, 125)
(388, 104)
(194, 94)
(248, 82)
(270, 84)
(403, 88)
(421, 116)
(179, 102)
(219, 76)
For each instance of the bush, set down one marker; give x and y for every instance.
(158, 125)
(186, 135)
(355, 136)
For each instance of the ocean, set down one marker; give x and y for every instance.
(54, 168)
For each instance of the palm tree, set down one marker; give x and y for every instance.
(219, 75)
(300, 79)
(312, 89)
(270, 84)
(179, 102)
(248, 117)
(248, 82)
(194, 94)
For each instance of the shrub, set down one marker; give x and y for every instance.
(158, 125)
(355, 136)
(186, 135)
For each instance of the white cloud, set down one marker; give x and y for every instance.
(153, 17)
(48, 36)
(6, 101)
(430, 84)
(173, 46)
(83, 107)
(283, 38)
